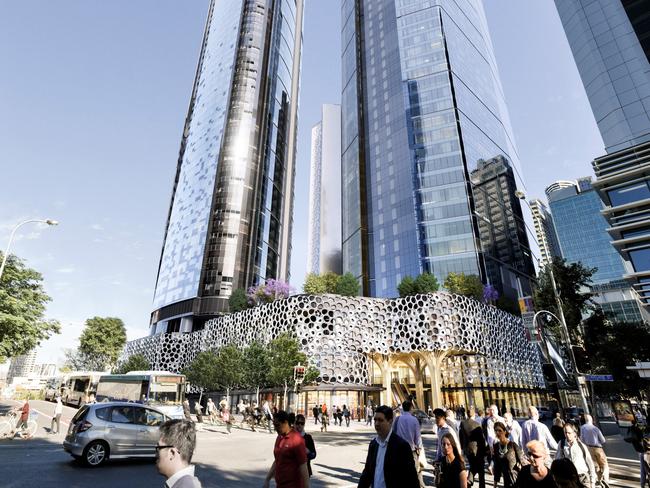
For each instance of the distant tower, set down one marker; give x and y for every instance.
(229, 222)
(545, 232)
(21, 365)
(324, 242)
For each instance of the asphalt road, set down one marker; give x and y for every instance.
(240, 459)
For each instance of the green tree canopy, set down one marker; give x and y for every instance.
(230, 367)
(202, 371)
(314, 284)
(426, 283)
(406, 287)
(22, 310)
(466, 285)
(238, 300)
(284, 355)
(572, 282)
(256, 365)
(347, 285)
(75, 360)
(104, 338)
(137, 362)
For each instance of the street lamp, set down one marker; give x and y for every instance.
(13, 232)
(565, 331)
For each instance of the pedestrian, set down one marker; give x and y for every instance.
(335, 414)
(290, 465)
(56, 420)
(316, 412)
(268, 413)
(451, 419)
(389, 462)
(359, 413)
(408, 428)
(186, 410)
(211, 409)
(565, 474)
(324, 418)
(507, 457)
(346, 414)
(574, 449)
(474, 446)
(536, 474)
(227, 418)
(492, 417)
(557, 428)
(241, 406)
(24, 416)
(635, 435)
(309, 440)
(594, 439)
(442, 429)
(514, 429)
(533, 429)
(369, 414)
(198, 411)
(452, 469)
(174, 454)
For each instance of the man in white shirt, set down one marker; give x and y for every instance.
(174, 454)
(534, 430)
(442, 429)
(56, 420)
(514, 429)
(594, 439)
(488, 424)
(574, 449)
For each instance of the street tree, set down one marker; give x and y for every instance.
(268, 292)
(22, 310)
(285, 353)
(426, 283)
(229, 366)
(573, 280)
(137, 362)
(406, 287)
(314, 284)
(256, 365)
(202, 372)
(104, 338)
(347, 285)
(238, 301)
(466, 285)
(76, 360)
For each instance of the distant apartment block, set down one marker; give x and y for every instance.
(545, 232)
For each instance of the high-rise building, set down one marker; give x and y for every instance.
(549, 246)
(502, 230)
(582, 234)
(21, 366)
(324, 240)
(422, 104)
(610, 41)
(229, 221)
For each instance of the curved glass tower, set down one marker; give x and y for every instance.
(229, 222)
(422, 110)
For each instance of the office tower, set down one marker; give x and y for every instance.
(582, 234)
(502, 229)
(422, 104)
(545, 232)
(610, 43)
(324, 240)
(610, 40)
(21, 366)
(229, 221)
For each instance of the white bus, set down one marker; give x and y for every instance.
(80, 387)
(164, 390)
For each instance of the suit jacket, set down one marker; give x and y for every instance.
(399, 466)
(187, 481)
(472, 439)
(309, 444)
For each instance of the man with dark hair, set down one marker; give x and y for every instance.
(174, 454)
(390, 460)
(474, 446)
(442, 429)
(408, 428)
(290, 465)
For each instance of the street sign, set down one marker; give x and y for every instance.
(599, 377)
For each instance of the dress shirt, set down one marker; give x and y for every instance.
(179, 474)
(491, 437)
(533, 429)
(379, 481)
(445, 429)
(591, 435)
(515, 433)
(581, 459)
(408, 428)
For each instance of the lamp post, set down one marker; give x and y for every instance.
(13, 232)
(563, 327)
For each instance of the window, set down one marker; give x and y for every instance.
(122, 415)
(640, 259)
(629, 194)
(626, 234)
(103, 413)
(146, 416)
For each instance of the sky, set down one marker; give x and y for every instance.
(93, 98)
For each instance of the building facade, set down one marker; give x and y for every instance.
(21, 366)
(547, 242)
(324, 240)
(609, 40)
(446, 349)
(230, 216)
(422, 104)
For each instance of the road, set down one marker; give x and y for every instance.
(240, 459)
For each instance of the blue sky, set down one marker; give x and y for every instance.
(93, 97)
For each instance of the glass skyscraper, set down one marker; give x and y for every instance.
(545, 232)
(324, 240)
(422, 104)
(229, 221)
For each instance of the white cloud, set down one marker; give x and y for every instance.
(66, 270)
(97, 227)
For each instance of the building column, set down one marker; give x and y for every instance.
(383, 361)
(433, 360)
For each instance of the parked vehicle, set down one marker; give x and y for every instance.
(161, 389)
(113, 430)
(80, 387)
(53, 387)
(544, 413)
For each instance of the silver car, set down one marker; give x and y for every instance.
(114, 430)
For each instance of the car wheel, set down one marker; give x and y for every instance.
(95, 453)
